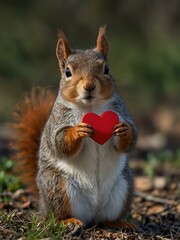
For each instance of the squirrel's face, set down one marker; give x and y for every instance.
(85, 74)
(86, 78)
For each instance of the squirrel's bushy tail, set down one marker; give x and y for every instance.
(28, 122)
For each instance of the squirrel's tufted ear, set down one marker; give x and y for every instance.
(102, 42)
(63, 49)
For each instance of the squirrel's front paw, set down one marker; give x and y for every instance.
(123, 130)
(74, 135)
(84, 130)
(125, 133)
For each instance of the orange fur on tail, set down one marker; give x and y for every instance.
(29, 120)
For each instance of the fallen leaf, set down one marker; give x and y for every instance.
(178, 208)
(143, 184)
(160, 182)
(155, 209)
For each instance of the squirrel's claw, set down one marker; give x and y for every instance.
(84, 130)
(123, 130)
(125, 133)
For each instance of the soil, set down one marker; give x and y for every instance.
(155, 212)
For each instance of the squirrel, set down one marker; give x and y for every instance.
(71, 175)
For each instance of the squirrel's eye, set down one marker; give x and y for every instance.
(106, 69)
(68, 72)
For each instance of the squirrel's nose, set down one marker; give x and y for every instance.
(89, 86)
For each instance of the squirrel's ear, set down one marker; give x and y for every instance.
(102, 42)
(63, 49)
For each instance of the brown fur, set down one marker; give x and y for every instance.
(72, 88)
(63, 50)
(74, 221)
(121, 224)
(66, 208)
(29, 120)
(127, 140)
(69, 90)
(55, 197)
(102, 43)
(73, 142)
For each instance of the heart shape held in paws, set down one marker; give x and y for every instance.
(103, 125)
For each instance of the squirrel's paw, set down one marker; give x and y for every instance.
(73, 221)
(84, 130)
(121, 224)
(123, 130)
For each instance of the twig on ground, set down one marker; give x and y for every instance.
(152, 198)
(6, 194)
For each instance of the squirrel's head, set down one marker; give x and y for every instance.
(85, 74)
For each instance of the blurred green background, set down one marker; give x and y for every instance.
(144, 39)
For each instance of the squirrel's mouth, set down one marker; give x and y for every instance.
(88, 98)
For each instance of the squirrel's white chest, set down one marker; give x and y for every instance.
(96, 186)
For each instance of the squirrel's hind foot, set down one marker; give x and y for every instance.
(121, 224)
(73, 221)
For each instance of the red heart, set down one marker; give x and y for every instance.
(103, 125)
